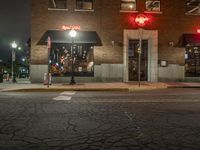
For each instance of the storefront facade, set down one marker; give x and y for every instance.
(110, 38)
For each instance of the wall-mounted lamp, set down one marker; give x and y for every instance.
(171, 44)
(163, 63)
(113, 43)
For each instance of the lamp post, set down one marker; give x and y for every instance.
(141, 20)
(72, 34)
(48, 61)
(139, 55)
(139, 60)
(14, 46)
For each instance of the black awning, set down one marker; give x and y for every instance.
(191, 40)
(59, 36)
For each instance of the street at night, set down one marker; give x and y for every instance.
(165, 119)
(100, 75)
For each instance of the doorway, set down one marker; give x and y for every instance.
(133, 60)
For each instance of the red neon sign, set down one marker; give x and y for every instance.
(198, 30)
(141, 20)
(70, 27)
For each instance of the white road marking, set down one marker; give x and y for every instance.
(68, 93)
(64, 96)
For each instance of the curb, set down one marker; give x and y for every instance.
(63, 89)
(183, 86)
(125, 89)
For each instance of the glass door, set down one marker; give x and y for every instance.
(133, 60)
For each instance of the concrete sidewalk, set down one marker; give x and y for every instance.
(25, 85)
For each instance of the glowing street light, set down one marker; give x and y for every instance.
(72, 34)
(23, 59)
(14, 44)
(19, 48)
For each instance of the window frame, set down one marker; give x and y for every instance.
(128, 10)
(59, 9)
(192, 8)
(153, 11)
(82, 9)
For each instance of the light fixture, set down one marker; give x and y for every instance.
(72, 33)
(171, 44)
(14, 45)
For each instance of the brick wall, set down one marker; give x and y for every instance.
(109, 23)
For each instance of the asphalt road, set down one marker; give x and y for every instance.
(167, 119)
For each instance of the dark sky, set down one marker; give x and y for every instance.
(14, 25)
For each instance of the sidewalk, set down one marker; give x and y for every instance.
(25, 85)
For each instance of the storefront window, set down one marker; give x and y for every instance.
(57, 4)
(192, 62)
(84, 4)
(129, 5)
(61, 60)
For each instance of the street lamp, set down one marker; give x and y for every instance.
(19, 48)
(14, 46)
(72, 34)
(23, 59)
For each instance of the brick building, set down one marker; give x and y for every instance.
(112, 34)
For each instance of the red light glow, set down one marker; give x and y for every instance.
(141, 20)
(198, 30)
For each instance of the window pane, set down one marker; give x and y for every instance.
(153, 5)
(58, 4)
(128, 5)
(84, 4)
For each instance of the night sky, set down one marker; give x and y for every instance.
(14, 25)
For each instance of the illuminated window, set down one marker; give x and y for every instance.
(61, 60)
(129, 5)
(153, 5)
(192, 62)
(57, 4)
(84, 4)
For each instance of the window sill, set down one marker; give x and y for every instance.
(153, 12)
(129, 11)
(57, 9)
(192, 14)
(87, 10)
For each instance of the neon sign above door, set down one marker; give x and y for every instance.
(141, 20)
